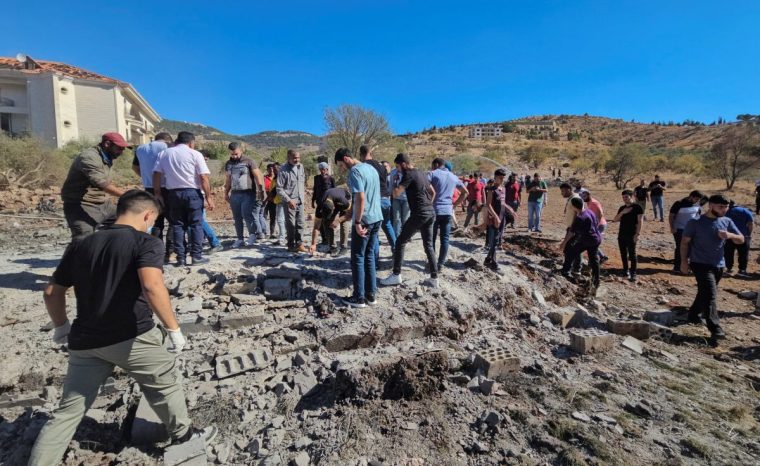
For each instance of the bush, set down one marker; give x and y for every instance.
(28, 163)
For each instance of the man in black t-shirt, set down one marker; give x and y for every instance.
(630, 216)
(332, 210)
(117, 275)
(641, 194)
(420, 194)
(385, 195)
(656, 193)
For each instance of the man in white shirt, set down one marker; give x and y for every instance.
(186, 173)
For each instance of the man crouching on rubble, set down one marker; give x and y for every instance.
(118, 279)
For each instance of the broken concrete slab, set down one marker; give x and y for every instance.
(633, 344)
(591, 340)
(191, 453)
(290, 271)
(8, 401)
(660, 316)
(241, 319)
(147, 428)
(636, 328)
(241, 299)
(233, 364)
(282, 288)
(563, 317)
(497, 362)
(660, 332)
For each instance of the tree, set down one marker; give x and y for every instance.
(536, 154)
(737, 153)
(352, 126)
(626, 163)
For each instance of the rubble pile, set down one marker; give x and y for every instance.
(491, 367)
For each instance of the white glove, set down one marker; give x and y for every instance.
(177, 340)
(61, 333)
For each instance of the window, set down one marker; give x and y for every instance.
(5, 122)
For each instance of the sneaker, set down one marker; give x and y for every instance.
(261, 236)
(355, 302)
(201, 260)
(272, 236)
(662, 219)
(302, 249)
(728, 272)
(167, 259)
(217, 248)
(538, 230)
(695, 319)
(250, 241)
(603, 260)
(238, 243)
(743, 274)
(342, 251)
(371, 299)
(624, 273)
(180, 263)
(334, 251)
(491, 264)
(391, 280)
(718, 333)
(208, 434)
(632, 277)
(431, 282)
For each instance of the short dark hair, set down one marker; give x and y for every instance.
(535, 175)
(438, 162)
(402, 158)
(627, 192)
(565, 185)
(185, 137)
(363, 150)
(234, 145)
(137, 201)
(718, 199)
(163, 136)
(696, 193)
(577, 202)
(341, 153)
(499, 172)
(292, 153)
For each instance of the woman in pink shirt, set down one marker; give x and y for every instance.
(596, 207)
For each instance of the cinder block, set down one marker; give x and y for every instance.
(633, 344)
(191, 453)
(660, 316)
(591, 340)
(497, 362)
(635, 328)
(147, 428)
(233, 364)
(282, 288)
(248, 319)
(562, 317)
(660, 332)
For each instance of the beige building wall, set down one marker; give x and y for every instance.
(40, 91)
(96, 110)
(66, 110)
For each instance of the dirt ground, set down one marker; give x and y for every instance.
(399, 383)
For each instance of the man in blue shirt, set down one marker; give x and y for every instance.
(702, 249)
(142, 164)
(445, 183)
(364, 183)
(743, 219)
(680, 213)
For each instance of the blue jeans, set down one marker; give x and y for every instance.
(208, 232)
(186, 216)
(281, 222)
(241, 204)
(443, 223)
(387, 226)
(400, 214)
(534, 215)
(363, 265)
(657, 204)
(257, 215)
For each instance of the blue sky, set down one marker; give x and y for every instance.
(251, 66)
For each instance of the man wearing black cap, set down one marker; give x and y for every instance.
(702, 249)
(333, 209)
(85, 191)
(420, 194)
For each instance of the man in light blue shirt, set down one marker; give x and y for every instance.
(364, 183)
(142, 164)
(445, 183)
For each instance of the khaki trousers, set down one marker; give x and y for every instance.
(146, 359)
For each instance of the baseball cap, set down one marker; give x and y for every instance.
(322, 165)
(115, 139)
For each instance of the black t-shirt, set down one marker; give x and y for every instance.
(640, 192)
(341, 199)
(102, 268)
(417, 189)
(385, 190)
(655, 188)
(628, 221)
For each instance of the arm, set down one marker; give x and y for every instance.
(431, 190)
(227, 186)
(281, 182)
(620, 214)
(259, 184)
(358, 212)
(398, 190)
(55, 303)
(136, 169)
(206, 186)
(152, 282)
(639, 223)
(671, 219)
(750, 227)
(462, 196)
(114, 191)
(157, 184)
(685, 241)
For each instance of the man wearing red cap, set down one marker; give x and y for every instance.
(85, 191)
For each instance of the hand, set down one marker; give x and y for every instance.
(292, 204)
(209, 204)
(61, 333)
(336, 222)
(722, 234)
(312, 249)
(684, 267)
(360, 230)
(176, 339)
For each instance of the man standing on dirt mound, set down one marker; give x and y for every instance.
(118, 280)
(85, 191)
(702, 250)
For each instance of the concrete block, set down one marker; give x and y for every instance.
(568, 317)
(192, 453)
(660, 332)
(281, 288)
(289, 271)
(636, 328)
(497, 362)
(241, 320)
(633, 344)
(8, 401)
(233, 364)
(660, 316)
(247, 299)
(591, 340)
(147, 428)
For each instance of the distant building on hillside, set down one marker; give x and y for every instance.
(59, 103)
(485, 131)
(536, 125)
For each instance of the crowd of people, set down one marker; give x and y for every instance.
(117, 273)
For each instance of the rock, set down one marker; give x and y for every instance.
(747, 295)
(639, 410)
(272, 460)
(50, 393)
(538, 297)
(299, 359)
(583, 417)
(563, 317)
(534, 320)
(304, 382)
(633, 344)
(302, 442)
(486, 386)
(660, 316)
(301, 459)
(191, 453)
(97, 415)
(497, 362)
(282, 288)
(289, 271)
(8, 401)
(480, 447)
(222, 453)
(604, 418)
(491, 418)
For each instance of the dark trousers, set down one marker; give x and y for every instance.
(706, 301)
(83, 219)
(472, 211)
(628, 253)
(493, 237)
(573, 256)
(294, 225)
(575, 262)
(515, 206)
(677, 255)
(186, 217)
(422, 222)
(161, 221)
(271, 211)
(442, 224)
(742, 249)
